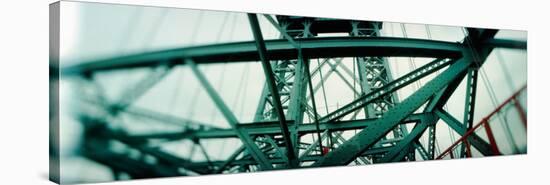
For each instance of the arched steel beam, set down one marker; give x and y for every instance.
(280, 49)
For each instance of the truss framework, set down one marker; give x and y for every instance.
(273, 140)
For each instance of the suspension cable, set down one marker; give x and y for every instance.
(505, 70)
(492, 95)
(191, 112)
(130, 26)
(247, 69)
(224, 22)
(155, 28)
(322, 86)
(428, 32)
(412, 65)
(176, 95)
(354, 82)
(220, 87)
(437, 146)
(505, 124)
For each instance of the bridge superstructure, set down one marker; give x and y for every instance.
(378, 126)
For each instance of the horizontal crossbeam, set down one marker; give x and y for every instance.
(368, 136)
(269, 128)
(280, 49)
(387, 89)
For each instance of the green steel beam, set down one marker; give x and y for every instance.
(270, 78)
(423, 153)
(149, 81)
(399, 151)
(340, 140)
(505, 43)
(474, 41)
(350, 150)
(135, 168)
(431, 141)
(325, 75)
(441, 98)
(478, 53)
(458, 127)
(479, 40)
(313, 145)
(373, 71)
(276, 160)
(473, 52)
(334, 68)
(437, 102)
(99, 134)
(469, 105)
(259, 114)
(365, 87)
(231, 119)
(387, 89)
(279, 49)
(269, 128)
(247, 160)
(278, 150)
(231, 158)
(296, 106)
(282, 31)
(166, 118)
(312, 95)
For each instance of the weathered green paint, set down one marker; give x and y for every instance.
(368, 136)
(469, 104)
(279, 49)
(399, 151)
(387, 89)
(458, 127)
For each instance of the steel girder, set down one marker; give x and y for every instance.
(290, 75)
(374, 72)
(276, 160)
(280, 49)
(231, 119)
(268, 128)
(458, 127)
(477, 57)
(387, 89)
(275, 97)
(339, 47)
(314, 104)
(400, 150)
(368, 136)
(504, 43)
(98, 147)
(469, 104)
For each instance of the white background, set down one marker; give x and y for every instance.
(24, 91)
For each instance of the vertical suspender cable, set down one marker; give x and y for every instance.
(504, 122)
(312, 94)
(492, 97)
(197, 90)
(412, 65)
(429, 34)
(129, 27)
(505, 70)
(322, 85)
